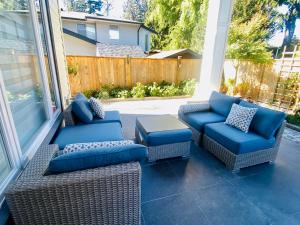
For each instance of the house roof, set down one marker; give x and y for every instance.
(85, 16)
(79, 36)
(174, 53)
(111, 50)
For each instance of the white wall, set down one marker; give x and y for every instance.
(142, 38)
(127, 33)
(59, 47)
(75, 46)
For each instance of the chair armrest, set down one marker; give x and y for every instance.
(68, 116)
(197, 107)
(77, 197)
(279, 134)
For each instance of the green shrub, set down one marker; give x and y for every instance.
(170, 90)
(91, 93)
(73, 69)
(114, 91)
(294, 119)
(124, 94)
(154, 90)
(138, 91)
(163, 89)
(164, 83)
(187, 87)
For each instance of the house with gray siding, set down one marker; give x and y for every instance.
(88, 34)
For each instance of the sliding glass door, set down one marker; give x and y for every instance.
(21, 72)
(29, 96)
(5, 167)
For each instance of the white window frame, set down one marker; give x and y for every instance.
(16, 157)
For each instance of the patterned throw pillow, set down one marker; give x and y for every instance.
(240, 117)
(97, 107)
(95, 145)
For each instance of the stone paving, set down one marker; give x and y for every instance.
(292, 135)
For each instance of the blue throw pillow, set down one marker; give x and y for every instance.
(265, 121)
(221, 103)
(82, 111)
(94, 158)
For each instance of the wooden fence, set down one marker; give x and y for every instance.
(90, 73)
(259, 81)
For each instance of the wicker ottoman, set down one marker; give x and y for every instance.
(164, 135)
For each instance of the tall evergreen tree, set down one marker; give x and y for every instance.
(135, 10)
(293, 13)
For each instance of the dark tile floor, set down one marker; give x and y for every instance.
(200, 190)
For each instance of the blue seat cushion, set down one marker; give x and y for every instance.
(94, 158)
(110, 116)
(89, 133)
(165, 137)
(236, 140)
(198, 119)
(221, 103)
(265, 121)
(82, 110)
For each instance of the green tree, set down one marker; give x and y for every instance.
(293, 13)
(135, 10)
(253, 23)
(180, 23)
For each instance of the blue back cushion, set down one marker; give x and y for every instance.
(221, 103)
(82, 110)
(265, 121)
(94, 158)
(80, 96)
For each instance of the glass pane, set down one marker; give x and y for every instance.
(4, 163)
(91, 31)
(20, 70)
(81, 29)
(114, 32)
(46, 55)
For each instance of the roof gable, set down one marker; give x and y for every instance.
(79, 36)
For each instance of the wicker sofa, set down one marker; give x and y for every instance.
(232, 146)
(108, 194)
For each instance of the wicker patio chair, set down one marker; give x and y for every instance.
(189, 108)
(105, 195)
(236, 162)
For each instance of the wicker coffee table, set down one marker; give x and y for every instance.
(164, 135)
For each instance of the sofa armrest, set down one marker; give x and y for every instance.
(78, 197)
(195, 107)
(68, 116)
(279, 134)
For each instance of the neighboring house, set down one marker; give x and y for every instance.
(183, 53)
(113, 37)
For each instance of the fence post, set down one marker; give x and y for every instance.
(128, 80)
(178, 69)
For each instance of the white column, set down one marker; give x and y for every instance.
(218, 21)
